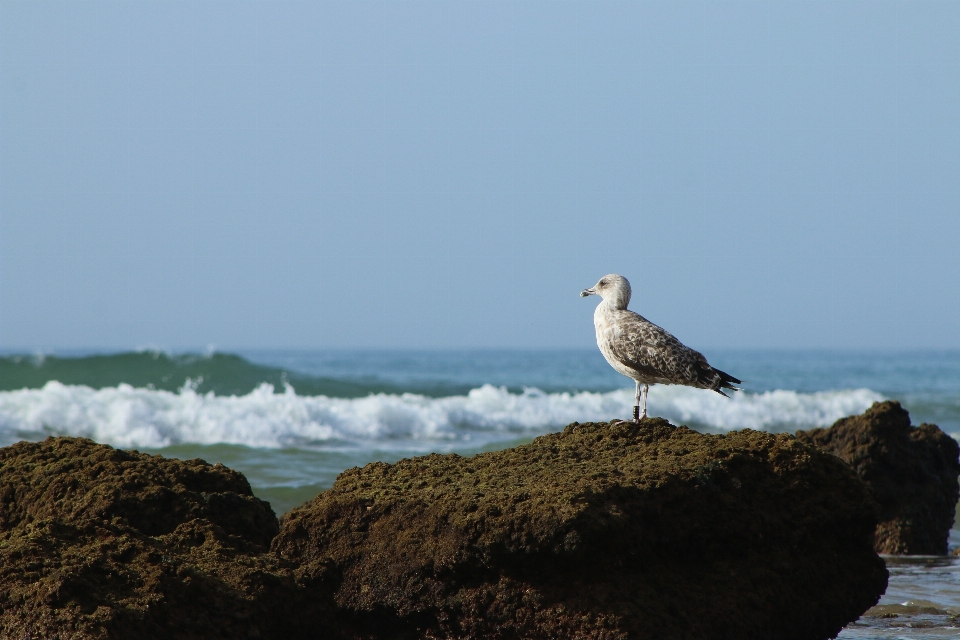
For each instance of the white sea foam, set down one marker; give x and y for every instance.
(773, 410)
(125, 416)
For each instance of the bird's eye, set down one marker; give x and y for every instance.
(603, 283)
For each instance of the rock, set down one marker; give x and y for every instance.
(101, 543)
(602, 531)
(911, 471)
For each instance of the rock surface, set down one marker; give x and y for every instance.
(101, 543)
(602, 531)
(911, 471)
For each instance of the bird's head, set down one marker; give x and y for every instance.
(614, 290)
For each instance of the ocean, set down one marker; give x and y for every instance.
(292, 420)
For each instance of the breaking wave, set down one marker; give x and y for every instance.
(131, 417)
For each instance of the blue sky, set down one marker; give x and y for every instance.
(452, 174)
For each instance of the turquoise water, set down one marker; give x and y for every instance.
(292, 420)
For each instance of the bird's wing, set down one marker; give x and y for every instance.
(656, 353)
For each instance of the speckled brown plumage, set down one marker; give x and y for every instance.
(641, 350)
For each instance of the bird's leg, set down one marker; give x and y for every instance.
(636, 404)
(646, 389)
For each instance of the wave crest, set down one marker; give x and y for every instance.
(126, 416)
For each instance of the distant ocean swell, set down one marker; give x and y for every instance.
(131, 417)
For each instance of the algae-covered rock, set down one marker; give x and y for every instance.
(911, 471)
(603, 531)
(101, 543)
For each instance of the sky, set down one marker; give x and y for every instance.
(250, 175)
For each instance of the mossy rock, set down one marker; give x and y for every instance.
(616, 530)
(96, 542)
(911, 472)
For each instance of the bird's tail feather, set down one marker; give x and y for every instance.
(727, 381)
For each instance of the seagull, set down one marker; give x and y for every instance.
(641, 350)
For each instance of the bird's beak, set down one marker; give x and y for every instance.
(588, 292)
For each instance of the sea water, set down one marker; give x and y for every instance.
(292, 420)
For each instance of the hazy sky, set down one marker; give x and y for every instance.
(452, 174)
